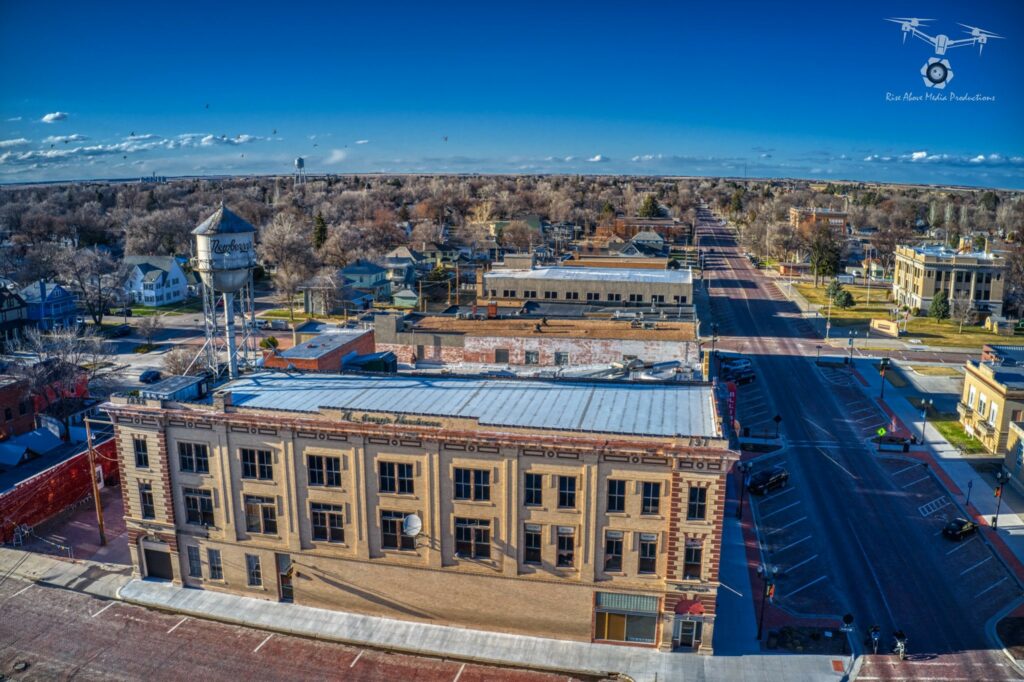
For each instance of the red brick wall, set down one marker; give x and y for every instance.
(11, 396)
(51, 491)
(407, 353)
(329, 362)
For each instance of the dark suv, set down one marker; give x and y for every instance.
(769, 479)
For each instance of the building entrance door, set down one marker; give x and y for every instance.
(284, 578)
(157, 557)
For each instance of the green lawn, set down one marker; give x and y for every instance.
(860, 314)
(945, 333)
(948, 424)
(193, 305)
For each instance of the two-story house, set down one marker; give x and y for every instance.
(49, 305)
(155, 280)
(13, 316)
(368, 276)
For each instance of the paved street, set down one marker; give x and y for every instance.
(62, 634)
(868, 548)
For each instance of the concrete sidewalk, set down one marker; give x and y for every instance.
(90, 577)
(640, 664)
(956, 471)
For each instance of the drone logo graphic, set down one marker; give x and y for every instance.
(937, 72)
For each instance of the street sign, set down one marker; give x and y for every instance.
(881, 431)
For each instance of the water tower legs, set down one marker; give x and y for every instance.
(229, 325)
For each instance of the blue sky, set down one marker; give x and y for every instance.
(591, 87)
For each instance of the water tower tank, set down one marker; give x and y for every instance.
(225, 250)
(300, 163)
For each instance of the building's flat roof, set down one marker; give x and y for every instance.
(320, 345)
(940, 251)
(557, 329)
(638, 275)
(639, 409)
(171, 384)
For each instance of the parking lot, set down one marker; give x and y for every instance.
(787, 540)
(984, 580)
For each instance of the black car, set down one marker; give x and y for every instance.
(740, 377)
(769, 479)
(150, 376)
(959, 528)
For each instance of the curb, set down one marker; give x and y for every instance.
(990, 632)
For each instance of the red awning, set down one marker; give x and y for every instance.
(692, 607)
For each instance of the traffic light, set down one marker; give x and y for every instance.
(771, 592)
(998, 492)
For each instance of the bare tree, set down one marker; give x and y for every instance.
(94, 275)
(148, 326)
(517, 235)
(181, 361)
(285, 244)
(961, 310)
(63, 358)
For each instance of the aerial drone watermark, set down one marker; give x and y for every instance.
(937, 72)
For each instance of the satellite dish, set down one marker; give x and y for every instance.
(412, 525)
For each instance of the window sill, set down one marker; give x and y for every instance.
(652, 517)
(475, 503)
(618, 514)
(566, 569)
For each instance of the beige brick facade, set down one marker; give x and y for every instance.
(495, 585)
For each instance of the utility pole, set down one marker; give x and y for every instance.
(458, 284)
(92, 480)
(420, 301)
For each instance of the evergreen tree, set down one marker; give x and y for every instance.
(649, 207)
(319, 231)
(939, 308)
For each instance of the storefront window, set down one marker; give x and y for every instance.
(626, 618)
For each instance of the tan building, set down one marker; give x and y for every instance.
(922, 271)
(807, 220)
(993, 395)
(618, 287)
(573, 510)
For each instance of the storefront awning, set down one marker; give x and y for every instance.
(690, 607)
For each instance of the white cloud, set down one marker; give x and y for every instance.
(362, 142)
(337, 156)
(918, 156)
(598, 158)
(948, 159)
(55, 116)
(14, 119)
(18, 142)
(766, 155)
(642, 157)
(54, 139)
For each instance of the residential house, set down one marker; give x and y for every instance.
(13, 316)
(49, 305)
(367, 276)
(404, 266)
(155, 280)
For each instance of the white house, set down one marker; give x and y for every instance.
(155, 280)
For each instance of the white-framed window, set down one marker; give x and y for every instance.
(993, 414)
(981, 404)
(971, 393)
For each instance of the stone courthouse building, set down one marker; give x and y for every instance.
(589, 511)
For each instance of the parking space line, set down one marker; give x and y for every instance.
(792, 544)
(804, 587)
(459, 674)
(983, 561)
(353, 663)
(960, 546)
(785, 490)
(837, 464)
(923, 478)
(22, 590)
(102, 610)
(738, 594)
(897, 473)
(263, 642)
(177, 625)
(791, 523)
(992, 586)
(796, 566)
(788, 506)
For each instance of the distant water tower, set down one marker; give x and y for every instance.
(225, 258)
(300, 171)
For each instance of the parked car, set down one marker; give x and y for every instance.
(767, 480)
(959, 528)
(735, 363)
(150, 376)
(261, 323)
(739, 376)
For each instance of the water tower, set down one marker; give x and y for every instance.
(225, 258)
(300, 171)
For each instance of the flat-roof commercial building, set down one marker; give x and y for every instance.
(923, 271)
(322, 353)
(533, 342)
(807, 220)
(993, 395)
(589, 511)
(617, 287)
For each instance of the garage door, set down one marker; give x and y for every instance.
(158, 564)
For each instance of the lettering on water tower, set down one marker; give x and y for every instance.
(219, 247)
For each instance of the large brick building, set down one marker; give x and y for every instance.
(534, 342)
(972, 276)
(806, 220)
(609, 287)
(322, 353)
(573, 510)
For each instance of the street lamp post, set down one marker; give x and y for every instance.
(1003, 477)
(970, 486)
(828, 319)
(883, 365)
(743, 468)
(925, 406)
(817, 358)
(714, 336)
(767, 574)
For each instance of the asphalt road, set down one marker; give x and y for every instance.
(61, 634)
(880, 556)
